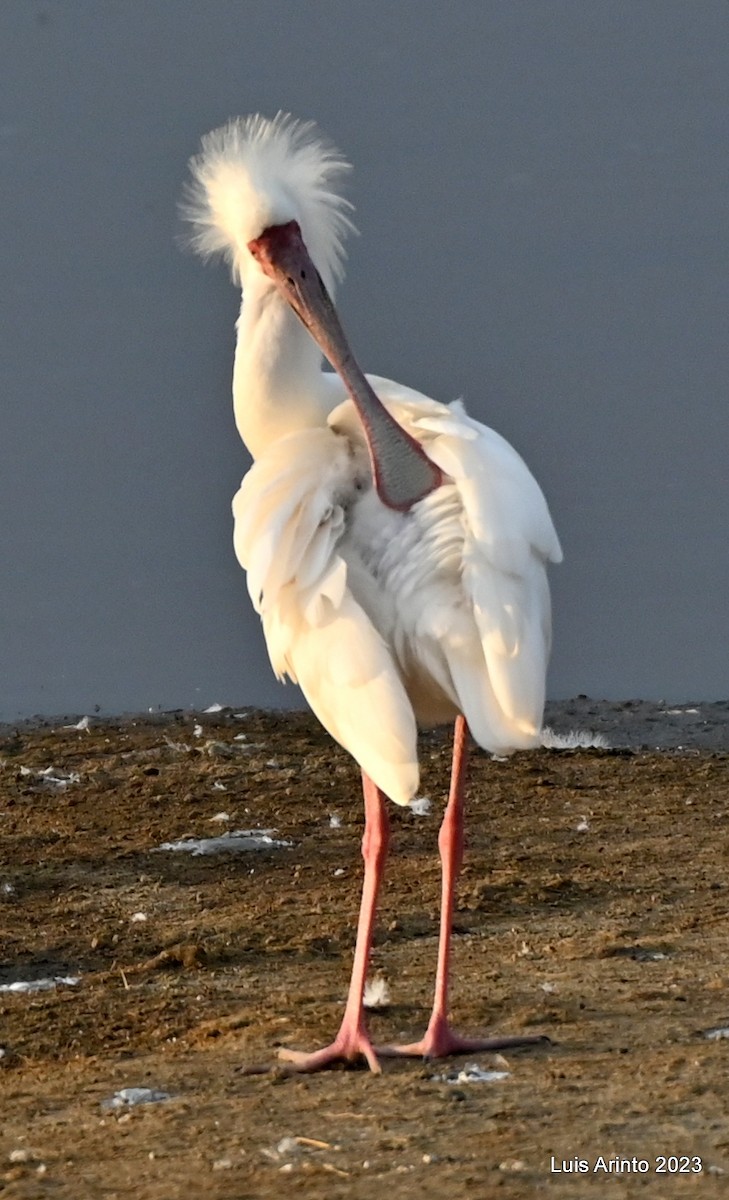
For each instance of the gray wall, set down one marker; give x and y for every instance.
(541, 187)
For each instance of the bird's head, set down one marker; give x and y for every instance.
(255, 176)
(263, 194)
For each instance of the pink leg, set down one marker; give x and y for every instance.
(353, 1039)
(440, 1040)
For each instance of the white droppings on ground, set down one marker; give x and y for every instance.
(717, 1034)
(24, 986)
(221, 817)
(217, 749)
(471, 1073)
(420, 806)
(131, 1096)
(52, 777)
(236, 840)
(335, 822)
(583, 825)
(197, 730)
(294, 1148)
(138, 917)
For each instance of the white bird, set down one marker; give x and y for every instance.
(396, 549)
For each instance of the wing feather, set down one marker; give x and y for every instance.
(289, 523)
(471, 588)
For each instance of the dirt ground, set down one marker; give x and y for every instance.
(593, 908)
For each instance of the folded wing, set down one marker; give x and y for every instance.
(290, 516)
(381, 615)
(497, 663)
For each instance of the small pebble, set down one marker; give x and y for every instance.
(223, 1164)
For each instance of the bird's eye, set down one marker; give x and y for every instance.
(303, 274)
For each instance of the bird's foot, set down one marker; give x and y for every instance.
(440, 1041)
(349, 1045)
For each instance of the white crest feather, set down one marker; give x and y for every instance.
(255, 172)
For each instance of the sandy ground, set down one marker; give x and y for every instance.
(594, 909)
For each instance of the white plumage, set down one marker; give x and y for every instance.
(383, 618)
(389, 613)
(252, 173)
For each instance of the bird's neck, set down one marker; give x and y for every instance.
(277, 377)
